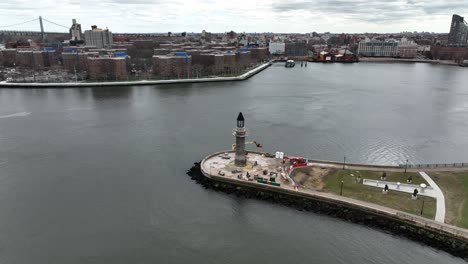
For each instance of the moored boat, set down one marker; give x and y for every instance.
(289, 64)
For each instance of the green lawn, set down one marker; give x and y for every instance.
(454, 185)
(393, 199)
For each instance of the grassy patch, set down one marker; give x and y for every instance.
(454, 185)
(352, 188)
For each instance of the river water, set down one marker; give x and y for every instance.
(99, 175)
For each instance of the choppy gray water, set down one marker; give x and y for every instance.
(98, 175)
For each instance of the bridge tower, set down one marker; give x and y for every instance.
(42, 28)
(240, 133)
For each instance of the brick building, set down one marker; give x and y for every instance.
(77, 61)
(70, 61)
(409, 52)
(170, 66)
(9, 57)
(243, 58)
(107, 68)
(449, 53)
(38, 60)
(50, 58)
(259, 54)
(24, 58)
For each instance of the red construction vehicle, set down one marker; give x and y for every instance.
(296, 162)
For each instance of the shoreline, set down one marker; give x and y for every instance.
(400, 60)
(241, 77)
(451, 239)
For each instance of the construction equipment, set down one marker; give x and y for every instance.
(258, 145)
(296, 162)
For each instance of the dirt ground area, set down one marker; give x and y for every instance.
(311, 177)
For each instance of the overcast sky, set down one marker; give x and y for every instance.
(353, 16)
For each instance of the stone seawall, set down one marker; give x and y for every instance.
(455, 245)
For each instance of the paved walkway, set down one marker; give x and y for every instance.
(402, 187)
(440, 209)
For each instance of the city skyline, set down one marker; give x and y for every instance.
(356, 16)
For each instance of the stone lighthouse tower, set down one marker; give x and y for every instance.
(240, 133)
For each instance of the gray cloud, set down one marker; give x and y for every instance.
(241, 15)
(379, 11)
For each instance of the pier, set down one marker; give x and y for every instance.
(268, 177)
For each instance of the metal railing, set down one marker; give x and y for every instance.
(435, 165)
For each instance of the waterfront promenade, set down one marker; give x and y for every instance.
(241, 77)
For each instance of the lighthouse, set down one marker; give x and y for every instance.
(240, 133)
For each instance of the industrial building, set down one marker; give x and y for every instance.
(458, 35)
(76, 33)
(296, 49)
(100, 38)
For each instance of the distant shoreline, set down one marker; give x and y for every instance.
(400, 60)
(241, 77)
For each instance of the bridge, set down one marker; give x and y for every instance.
(25, 28)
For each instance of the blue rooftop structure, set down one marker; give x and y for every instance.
(120, 54)
(181, 54)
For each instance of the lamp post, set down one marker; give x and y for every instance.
(406, 166)
(422, 207)
(344, 162)
(341, 189)
(34, 65)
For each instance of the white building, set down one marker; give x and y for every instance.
(99, 38)
(423, 48)
(378, 48)
(277, 48)
(389, 48)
